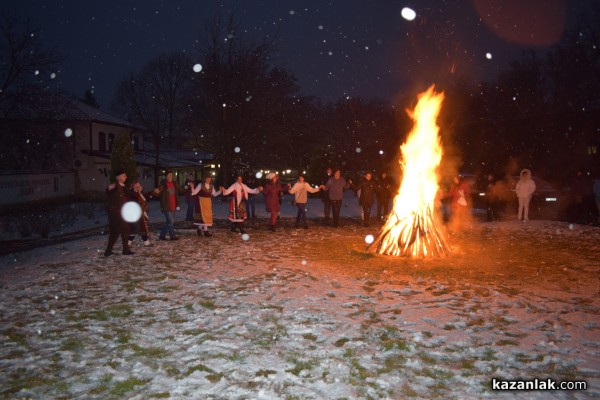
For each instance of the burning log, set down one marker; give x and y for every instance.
(414, 235)
(410, 229)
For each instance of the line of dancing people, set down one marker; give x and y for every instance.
(199, 201)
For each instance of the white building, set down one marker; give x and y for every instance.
(91, 133)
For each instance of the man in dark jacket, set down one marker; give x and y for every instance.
(116, 197)
(325, 195)
(366, 198)
(384, 195)
(335, 187)
(189, 198)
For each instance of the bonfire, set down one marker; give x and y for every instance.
(410, 229)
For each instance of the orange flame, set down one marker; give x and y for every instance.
(410, 229)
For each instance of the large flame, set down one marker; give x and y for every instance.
(410, 229)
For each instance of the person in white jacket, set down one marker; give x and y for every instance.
(524, 190)
(300, 191)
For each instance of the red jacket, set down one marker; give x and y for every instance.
(272, 192)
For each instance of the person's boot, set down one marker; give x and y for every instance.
(207, 233)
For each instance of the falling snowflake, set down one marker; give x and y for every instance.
(131, 211)
(408, 14)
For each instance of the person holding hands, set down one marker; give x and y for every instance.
(300, 191)
(203, 214)
(237, 207)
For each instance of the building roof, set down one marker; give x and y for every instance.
(55, 107)
(168, 158)
(175, 159)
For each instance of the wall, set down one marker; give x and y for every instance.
(20, 187)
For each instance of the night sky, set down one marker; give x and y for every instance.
(335, 49)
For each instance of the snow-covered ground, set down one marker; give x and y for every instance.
(303, 314)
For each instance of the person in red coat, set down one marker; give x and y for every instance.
(272, 191)
(169, 192)
(460, 203)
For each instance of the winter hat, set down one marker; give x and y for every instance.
(120, 171)
(271, 175)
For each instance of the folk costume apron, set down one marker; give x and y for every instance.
(203, 215)
(237, 210)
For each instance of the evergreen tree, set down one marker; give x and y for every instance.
(122, 158)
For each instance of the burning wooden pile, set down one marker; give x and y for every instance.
(410, 229)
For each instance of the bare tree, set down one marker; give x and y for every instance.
(34, 146)
(26, 63)
(155, 98)
(240, 101)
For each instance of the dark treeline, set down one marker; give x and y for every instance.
(541, 112)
